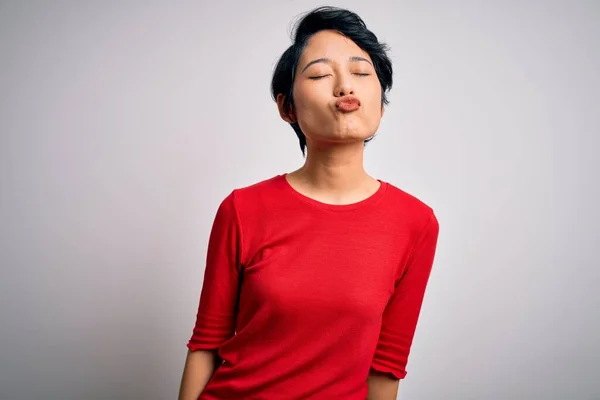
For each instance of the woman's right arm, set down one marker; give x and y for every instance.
(216, 317)
(199, 367)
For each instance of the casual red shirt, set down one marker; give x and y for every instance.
(303, 298)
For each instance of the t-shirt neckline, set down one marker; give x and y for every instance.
(375, 197)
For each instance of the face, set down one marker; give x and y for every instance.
(337, 95)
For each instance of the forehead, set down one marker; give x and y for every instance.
(332, 45)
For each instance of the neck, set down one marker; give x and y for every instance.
(336, 169)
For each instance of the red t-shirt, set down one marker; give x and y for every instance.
(303, 298)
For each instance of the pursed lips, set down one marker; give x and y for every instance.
(347, 104)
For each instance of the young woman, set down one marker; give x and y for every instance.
(314, 279)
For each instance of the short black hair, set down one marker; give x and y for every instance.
(348, 24)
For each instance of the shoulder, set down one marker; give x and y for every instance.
(257, 193)
(244, 196)
(253, 202)
(416, 214)
(400, 198)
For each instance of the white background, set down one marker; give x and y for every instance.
(124, 124)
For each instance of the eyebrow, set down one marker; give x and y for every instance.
(327, 60)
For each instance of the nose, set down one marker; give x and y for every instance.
(344, 87)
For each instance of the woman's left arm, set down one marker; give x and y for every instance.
(382, 386)
(401, 315)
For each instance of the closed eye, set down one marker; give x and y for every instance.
(324, 76)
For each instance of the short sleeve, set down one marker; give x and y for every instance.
(402, 311)
(215, 320)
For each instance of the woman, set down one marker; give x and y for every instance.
(314, 279)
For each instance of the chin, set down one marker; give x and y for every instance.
(354, 134)
(346, 137)
(344, 134)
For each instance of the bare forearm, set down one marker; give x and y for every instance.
(382, 387)
(199, 367)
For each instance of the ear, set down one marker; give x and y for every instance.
(382, 110)
(289, 116)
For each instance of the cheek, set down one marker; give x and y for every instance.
(309, 103)
(376, 93)
(374, 103)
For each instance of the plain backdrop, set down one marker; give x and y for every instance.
(124, 124)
